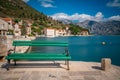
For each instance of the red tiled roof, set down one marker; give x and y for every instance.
(7, 19)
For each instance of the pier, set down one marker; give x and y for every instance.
(40, 71)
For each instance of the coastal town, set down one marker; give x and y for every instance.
(12, 29)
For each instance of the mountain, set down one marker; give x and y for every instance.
(65, 21)
(102, 28)
(19, 9)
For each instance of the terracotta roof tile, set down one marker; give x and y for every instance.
(7, 19)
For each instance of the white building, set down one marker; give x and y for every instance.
(49, 32)
(28, 28)
(9, 21)
(62, 32)
(3, 38)
(84, 33)
(3, 27)
(17, 31)
(6, 26)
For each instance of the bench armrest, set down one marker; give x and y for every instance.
(9, 52)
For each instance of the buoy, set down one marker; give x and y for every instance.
(103, 43)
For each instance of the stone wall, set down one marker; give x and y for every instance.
(3, 45)
(6, 44)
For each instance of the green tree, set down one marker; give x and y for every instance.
(16, 20)
(23, 29)
(75, 30)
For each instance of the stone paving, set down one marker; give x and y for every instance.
(36, 70)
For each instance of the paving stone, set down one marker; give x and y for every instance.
(77, 73)
(10, 79)
(18, 72)
(25, 76)
(90, 73)
(2, 76)
(77, 78)
(65, 77)
(89, 78)
(35, 75)
(7, 72)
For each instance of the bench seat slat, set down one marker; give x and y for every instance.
(39, 43)
(59, 45)
(39, 58)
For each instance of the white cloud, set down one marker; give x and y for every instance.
(47, 3)
(82, 17)
(115, 18)
(44, 4)
(114, 3)
(79, 17)
(59, 16)
(99, 15)
(25, 0)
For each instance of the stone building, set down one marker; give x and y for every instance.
(84, 33)
(9, 21)
(17, 30)
(3, 45)
(51, 32)
(28, 28)
(3, 27)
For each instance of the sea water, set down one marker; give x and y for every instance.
(86, 48)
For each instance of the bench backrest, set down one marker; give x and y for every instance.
(40, 43)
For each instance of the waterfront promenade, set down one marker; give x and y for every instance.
(46, 70)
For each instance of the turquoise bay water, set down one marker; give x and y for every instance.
(87, 48)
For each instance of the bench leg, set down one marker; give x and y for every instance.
(67, 61)
(14, 62)
(8, 64)
(54, 61)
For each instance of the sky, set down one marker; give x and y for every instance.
(78, 10)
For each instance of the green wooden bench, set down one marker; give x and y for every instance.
(38, 56)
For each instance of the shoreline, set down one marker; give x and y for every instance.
(77, 36)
